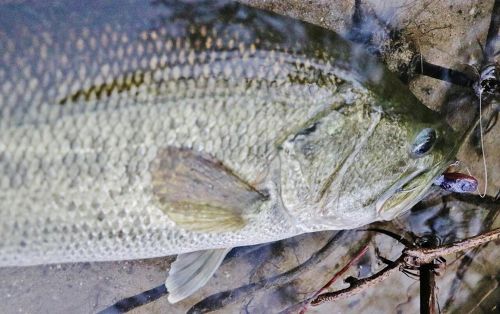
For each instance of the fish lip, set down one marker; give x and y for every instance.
(388, 213)
(434, 172)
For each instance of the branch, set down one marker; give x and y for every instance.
(491, 37)
(356, 258)
(427, 285)
(441, 73)
(137, 300)
(360, 284)
(417, 256)
(487, 202)
(426, 255)
(337, 275)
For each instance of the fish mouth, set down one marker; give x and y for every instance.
(405, 192)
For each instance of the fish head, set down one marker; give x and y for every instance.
(364, 163)
(428, 149)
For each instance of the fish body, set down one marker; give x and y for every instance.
(135, 130)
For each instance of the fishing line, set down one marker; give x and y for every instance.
(459, 163)
(482, 145)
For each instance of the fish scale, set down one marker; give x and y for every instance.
(302, 130)
(71, 174)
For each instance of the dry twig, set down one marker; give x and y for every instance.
(427, 255)
(360, 284)
(335, 277)
(410, 256)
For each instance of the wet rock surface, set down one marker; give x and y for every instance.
(445, 33)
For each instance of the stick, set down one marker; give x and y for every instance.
(137, 300)
(420, 256)
(426, 255)
(360, 284)
(342, 271)
(489, 50)
(444, 74)
(337, 275)
(427, 294)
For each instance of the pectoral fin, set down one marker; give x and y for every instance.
(199, 193)
(205, 217)
(191, 271)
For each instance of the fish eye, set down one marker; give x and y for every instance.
(423, 142)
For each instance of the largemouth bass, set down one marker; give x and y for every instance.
(131, 130)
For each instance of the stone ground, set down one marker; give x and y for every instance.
(445, 32)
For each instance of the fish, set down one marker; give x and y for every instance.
(133, 130)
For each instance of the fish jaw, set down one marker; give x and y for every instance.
(413, 185)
